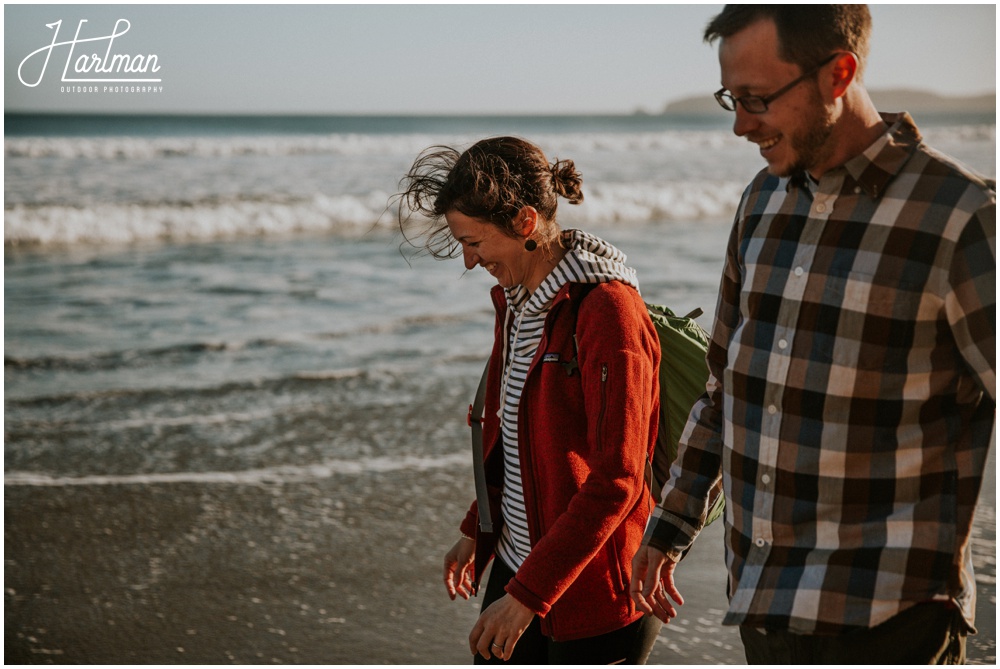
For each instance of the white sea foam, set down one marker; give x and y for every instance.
(330, 375)
(132, 148)
(282, 474)
(64, 191)
(959, 133)
(145, 423)
(129, 223)
(345, 215)
(676, 201)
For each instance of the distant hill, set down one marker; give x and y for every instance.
(890, 100)
(923, 102)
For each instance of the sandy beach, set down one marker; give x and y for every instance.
(340, 570)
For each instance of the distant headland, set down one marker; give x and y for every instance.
(889, 100)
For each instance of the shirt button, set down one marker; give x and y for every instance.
(772, 409)
(759, 542)
(799, 271)
(857, 189)
(765, 479)
(782, 344)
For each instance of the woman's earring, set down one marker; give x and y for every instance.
(530, 245)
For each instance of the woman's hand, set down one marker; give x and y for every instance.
(499, 627)
(458, 568)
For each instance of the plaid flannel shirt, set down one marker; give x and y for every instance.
(852, 394)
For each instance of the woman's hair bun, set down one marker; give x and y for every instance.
(567, 181)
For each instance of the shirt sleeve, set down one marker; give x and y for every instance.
(970, 300)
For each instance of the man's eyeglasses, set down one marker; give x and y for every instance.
(756, 104)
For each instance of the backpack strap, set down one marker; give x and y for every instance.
(475, 420)
(578, 291)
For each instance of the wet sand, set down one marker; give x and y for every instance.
(343, 570)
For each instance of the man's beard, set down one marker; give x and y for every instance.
(811, 146)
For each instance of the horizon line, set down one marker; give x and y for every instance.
(663, 110)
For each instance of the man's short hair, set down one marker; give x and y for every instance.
(806, 33)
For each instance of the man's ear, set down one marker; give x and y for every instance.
(845, 68)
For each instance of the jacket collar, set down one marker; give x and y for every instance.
(567, 291)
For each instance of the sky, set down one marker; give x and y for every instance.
(432, 59)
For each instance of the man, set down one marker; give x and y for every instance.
(852, 394)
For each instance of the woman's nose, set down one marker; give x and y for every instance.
(471, 258)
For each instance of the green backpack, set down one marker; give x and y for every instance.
(683, 373)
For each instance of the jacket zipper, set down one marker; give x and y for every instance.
(535, 520)
(535, 527)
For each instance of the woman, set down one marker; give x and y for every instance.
(571, 409)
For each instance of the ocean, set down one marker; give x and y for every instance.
(228, 300)
(193, 295)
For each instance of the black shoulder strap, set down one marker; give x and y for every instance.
(478, 458)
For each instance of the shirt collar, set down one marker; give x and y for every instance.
(876, 166)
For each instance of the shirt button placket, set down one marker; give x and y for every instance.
(821, 206)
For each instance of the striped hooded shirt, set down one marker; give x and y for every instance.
(588, 260)
(852, 393)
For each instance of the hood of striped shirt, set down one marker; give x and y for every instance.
(589, 259)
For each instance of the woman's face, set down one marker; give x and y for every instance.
(485, 245)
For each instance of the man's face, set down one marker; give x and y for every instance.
(795, 132)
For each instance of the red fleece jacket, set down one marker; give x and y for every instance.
(585, 438)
